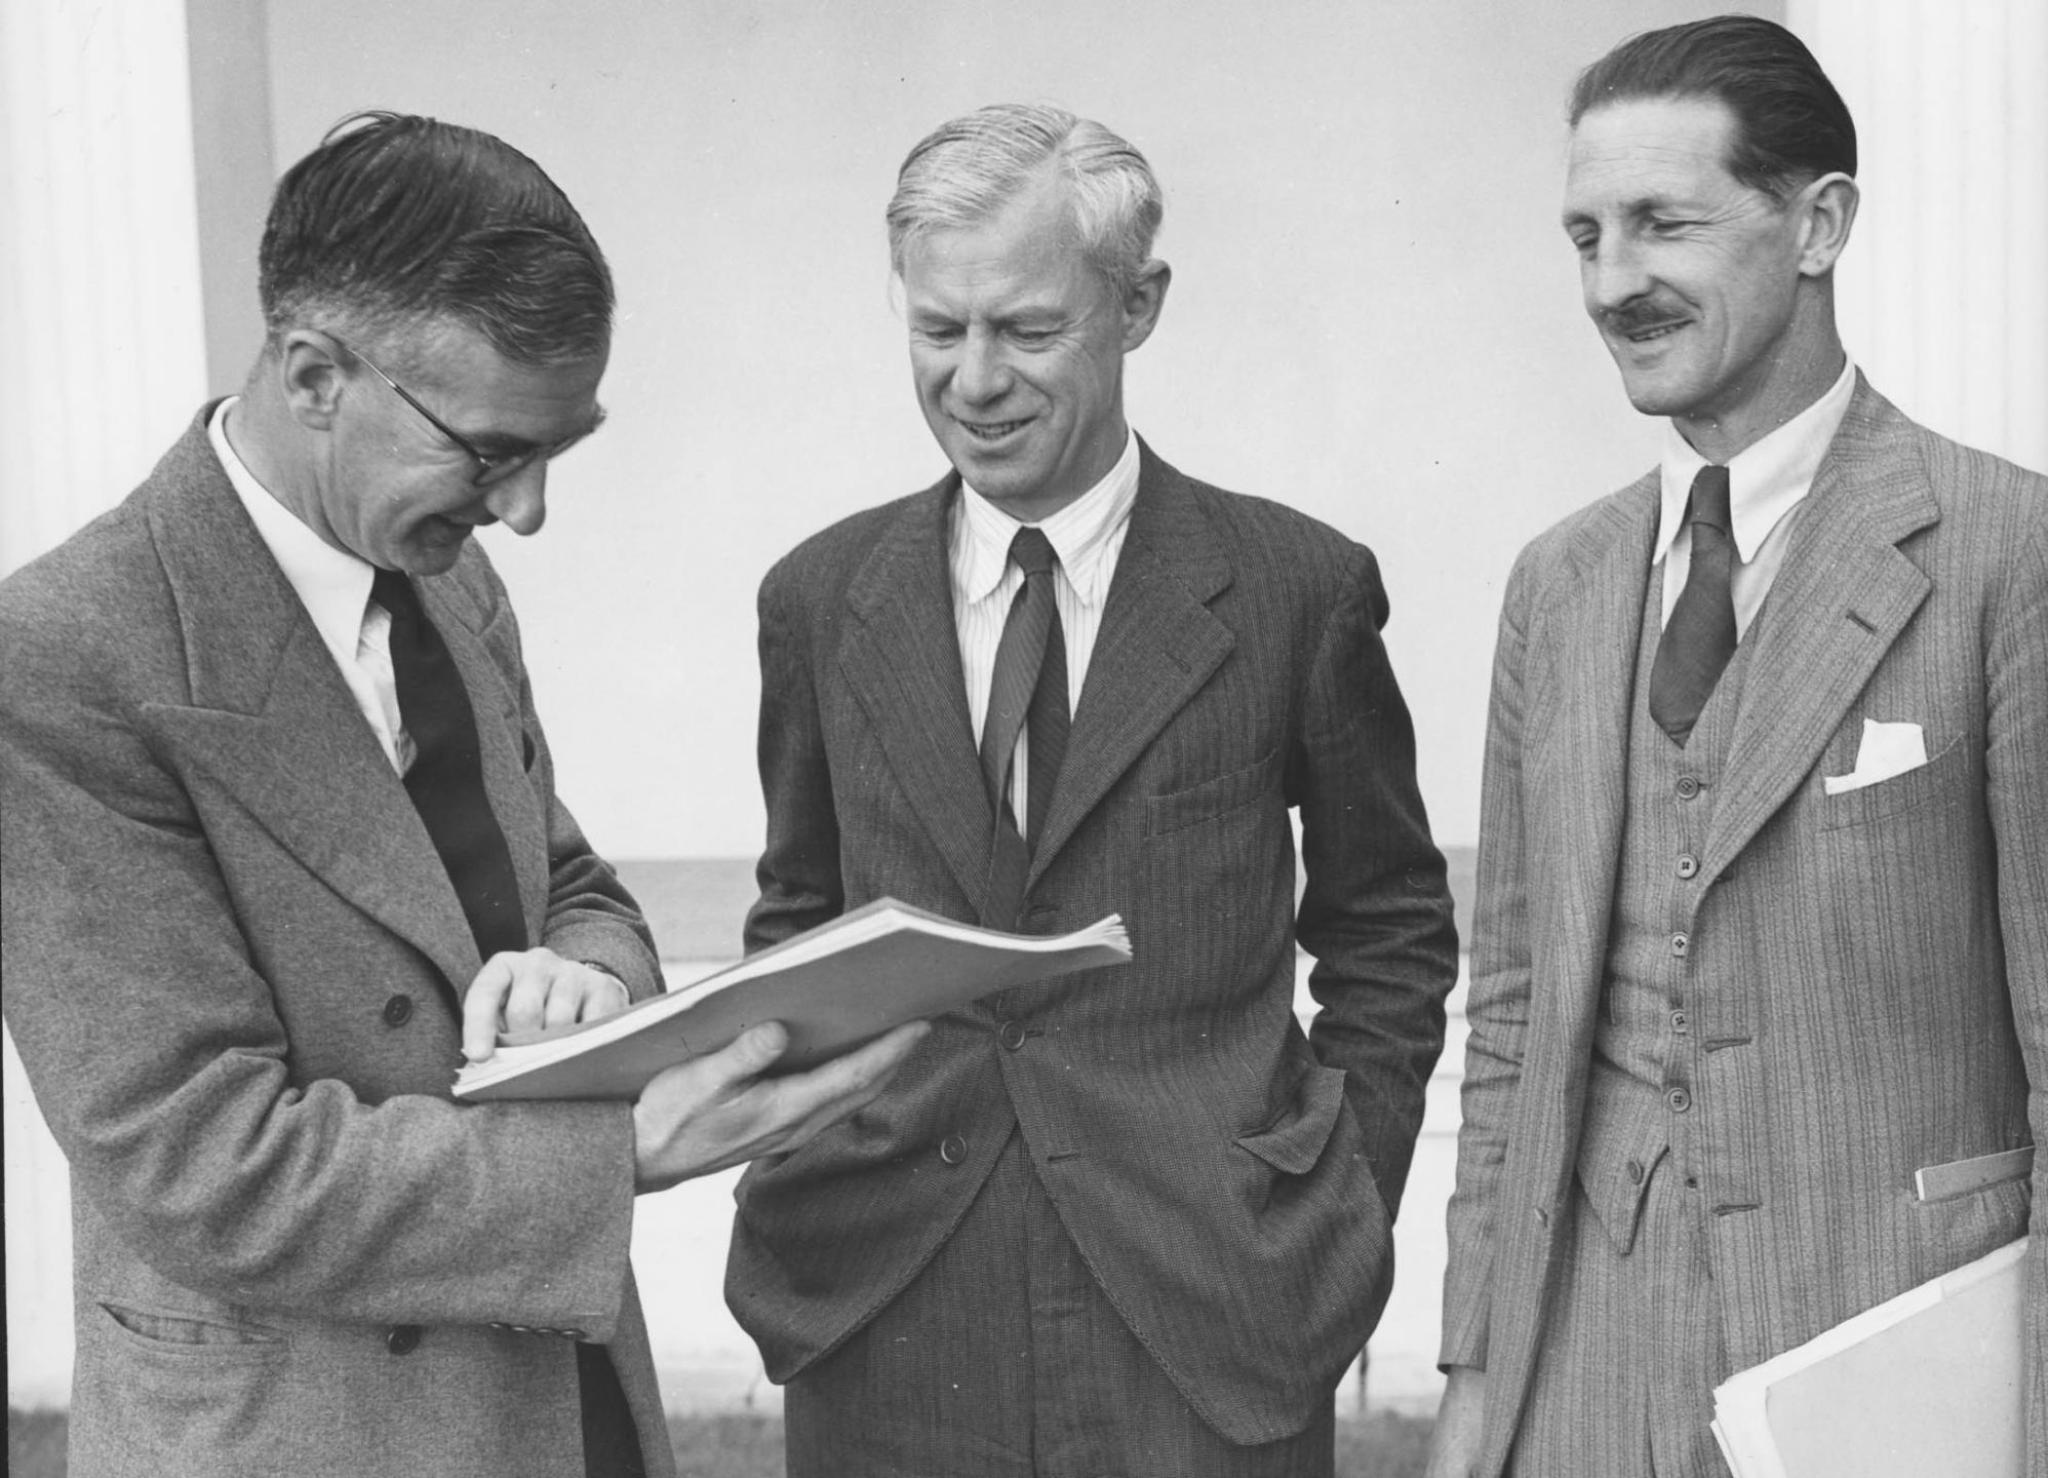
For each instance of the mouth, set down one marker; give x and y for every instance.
(989, 432)
(1649, 333)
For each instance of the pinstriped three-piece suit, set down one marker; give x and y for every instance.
(1228, 1180)
(1859, 979)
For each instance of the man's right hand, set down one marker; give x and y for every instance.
(1454, 1446)
(716, 1111)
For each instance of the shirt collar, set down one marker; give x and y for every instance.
(332, 584)
(1765, 480)
(1080, 533)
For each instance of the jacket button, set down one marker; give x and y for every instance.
(1679, 1099)
(1012, 1035)
(1635, 1172)
(1688, 865)
(1680, 1022)
(1688, 787)
(1681, 945)
(952, 1149)
(403, 1339)
(398, 1010)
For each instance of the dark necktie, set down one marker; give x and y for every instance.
(1700, 637)
(446, 783)
(1027, 693)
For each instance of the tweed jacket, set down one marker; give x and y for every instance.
(1230, 1180)
(1869, 969)
(232, 957)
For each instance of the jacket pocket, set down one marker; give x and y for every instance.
(1294, 1142)
(1179, 809)
(189, 1335)
(1900, 793)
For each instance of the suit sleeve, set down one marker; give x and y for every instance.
(2016, 771)
(1497, 1008)
(591, 916)
(232, 1157)
(798, 873)
(1376, 910)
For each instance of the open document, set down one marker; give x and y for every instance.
(833, 987)
(1925, 1383)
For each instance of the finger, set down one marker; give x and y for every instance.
(606, 997)
(526, 1002)
(482, 1004)
(834, 1089)
(571, 987)
(749, 1054)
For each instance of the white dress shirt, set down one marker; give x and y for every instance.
(1087, 535)
(334, 587)
(1766, 483)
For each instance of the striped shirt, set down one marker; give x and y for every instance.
(1087, 535)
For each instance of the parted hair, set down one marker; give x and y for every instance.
(396, 221)
(1791, 124)
(966, 170)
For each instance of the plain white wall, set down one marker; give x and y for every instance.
(1374, 315)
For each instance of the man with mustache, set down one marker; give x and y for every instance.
(1133, 1221)
(1762, 927)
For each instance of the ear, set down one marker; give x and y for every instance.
(311, 377)
(1828, 209)
(1143, 301)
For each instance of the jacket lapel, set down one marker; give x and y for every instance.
(1158, 644)
(273, 724)
(1844, 594)
(901, 659)
(1585, 753)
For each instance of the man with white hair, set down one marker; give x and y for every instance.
(1135, 1220)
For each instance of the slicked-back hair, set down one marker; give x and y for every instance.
(965, 171)
(1791, 124)
(398, 221)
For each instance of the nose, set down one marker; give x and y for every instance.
(981, 376)
(520, 502)
(1613, 273)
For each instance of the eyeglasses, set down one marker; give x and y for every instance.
(491, 467)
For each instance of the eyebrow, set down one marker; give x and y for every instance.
(504, 444)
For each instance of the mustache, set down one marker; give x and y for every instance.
(1635, 318)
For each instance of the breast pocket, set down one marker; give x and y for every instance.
(1179, 809)
(1947, 771)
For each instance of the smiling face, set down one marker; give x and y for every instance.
(1016, 348)
(1692, 277)
(397, 492)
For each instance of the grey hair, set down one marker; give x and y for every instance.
(966, 170)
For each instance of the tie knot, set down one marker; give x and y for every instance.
(1710, 498)
(392, 589)
(1032, 551)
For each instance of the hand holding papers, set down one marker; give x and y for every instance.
(833, 987)
(1928, 1382)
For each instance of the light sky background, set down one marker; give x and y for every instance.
(1374, 315)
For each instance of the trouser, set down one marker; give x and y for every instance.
(1631, 1350)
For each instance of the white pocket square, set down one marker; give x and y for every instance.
(1887, 750)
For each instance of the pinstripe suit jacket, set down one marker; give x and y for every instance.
(1230, 1181)
(231, 955)
(1871, 968)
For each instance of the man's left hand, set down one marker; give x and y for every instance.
(533, 990)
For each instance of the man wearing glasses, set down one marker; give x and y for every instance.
(281, 844)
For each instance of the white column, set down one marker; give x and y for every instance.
(1943, 293)
(102, 361)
